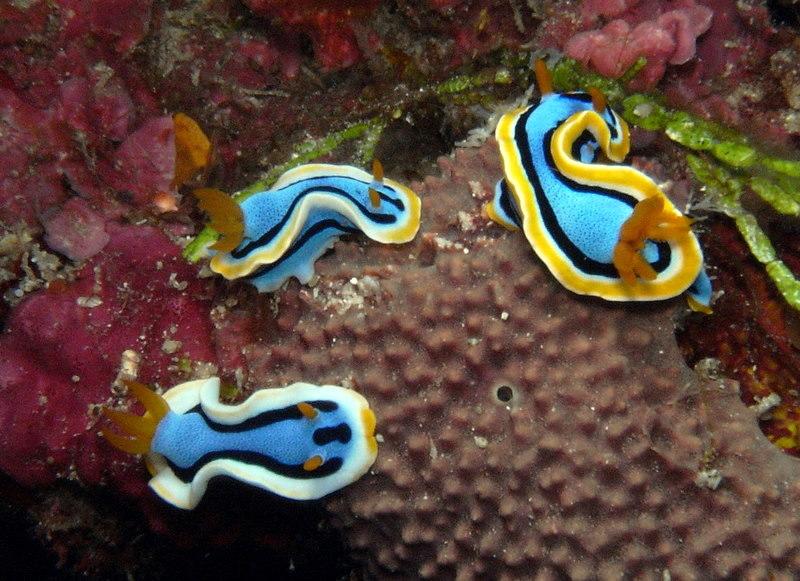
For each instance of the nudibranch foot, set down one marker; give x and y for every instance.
(601, 228)
(698, 295)
(301, 442)
(298, 261)
(287, 228)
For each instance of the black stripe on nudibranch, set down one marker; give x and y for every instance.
(320, 226)
(507, 203)
(270, 234)
(396, 202)
(575, 255)
(612, 127)
(585, 138)
(341, 433)
(291, 412)
(330, 466)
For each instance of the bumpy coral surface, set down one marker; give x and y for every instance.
(526, 431)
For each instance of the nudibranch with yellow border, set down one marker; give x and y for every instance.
(602, 228)
(281, 232)
(301, 442)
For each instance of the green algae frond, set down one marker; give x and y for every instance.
(726, 162)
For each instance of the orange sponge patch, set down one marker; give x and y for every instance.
(192, 149)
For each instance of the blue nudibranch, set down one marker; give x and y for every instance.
(301, 442)
(602, 228)
(284, 230)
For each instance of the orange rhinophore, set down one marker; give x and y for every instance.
(544, 80)
(377, 174)
(598, 99)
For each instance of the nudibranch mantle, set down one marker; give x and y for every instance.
(572, 206)
(288, 227)
(301, 442)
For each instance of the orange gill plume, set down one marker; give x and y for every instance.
(226, 217)
(139, 429)
(649, 221)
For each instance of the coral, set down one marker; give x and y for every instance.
(64, 114)
(730, 80)
(23, 191)
(477, 27)
(120, 23)
(669, 38)
(99, 537)
(63, 348)
(76, 231)
(145, 162)
(341, 32)
(755, 345)
(25, 266)
(328, 23)
(525, 430)
(592, 9)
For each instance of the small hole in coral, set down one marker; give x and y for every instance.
(505, 393)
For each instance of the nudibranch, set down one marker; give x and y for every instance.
(601, 227)
(281, 232)
(301, 442)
